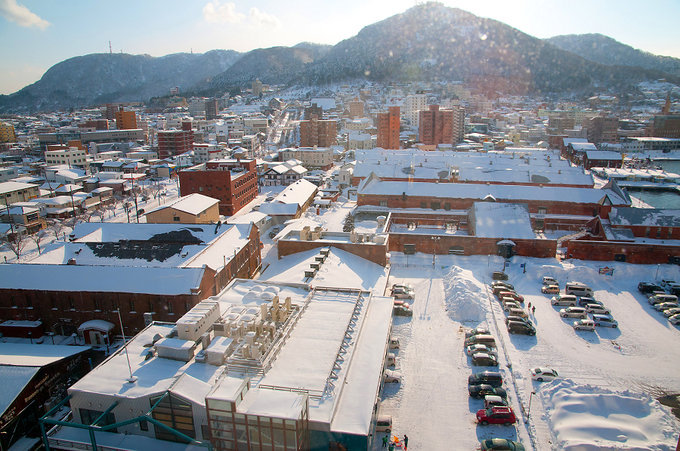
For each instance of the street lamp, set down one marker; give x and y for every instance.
(435, 240)
(529, 409)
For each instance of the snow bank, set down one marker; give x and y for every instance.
(466, 298)
(586, 417)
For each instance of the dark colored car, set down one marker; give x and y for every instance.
(649, 287)
(496, 415)
(484, 359)
(500, 283)
(521, 327)
(500, 444)
(520, 319)
(486, 377)
(481, 390)
(499, 275)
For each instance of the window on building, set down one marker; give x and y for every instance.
(173, 412)
(435, 205)
(383, 203)
(170, 308)
(409, 249)
(132, 305)
(88, 416)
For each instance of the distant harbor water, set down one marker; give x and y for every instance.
(658, 198)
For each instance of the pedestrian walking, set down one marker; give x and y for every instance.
(385, 442)
(391, 447)
(405, 442)
(529, 305)
(533, 309)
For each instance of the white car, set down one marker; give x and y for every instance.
(566, 299)
(574, 312)
(597, 308)
(543, 374)
(665, 306)
(675, 319)
(584, 324)
(400, 293)
(605, 321)
(480, 348)
(671, 312)
(547, 280)
(392, 377)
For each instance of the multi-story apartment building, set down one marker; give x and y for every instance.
(11, 192)
(356, 108)
(174, 142)
(436, 126)
(316, 132)
(413, 104)
(603, 129)
(311, 158)
(664, 126)
(72, 156)
(126, 120)
(7, 134)
(388, 128)
(233, 182)
(211, 109)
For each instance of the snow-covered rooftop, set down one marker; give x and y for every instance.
(502, 220)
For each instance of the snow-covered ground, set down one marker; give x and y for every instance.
(606, 379)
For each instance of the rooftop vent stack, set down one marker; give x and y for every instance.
(205, 340)
(263, 311)
(288, 304)
(250, 338)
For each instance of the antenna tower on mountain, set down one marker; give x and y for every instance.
(110, 50)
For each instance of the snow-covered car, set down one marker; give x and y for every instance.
(548, 280)
(511, 294)
(543, 374)
(665, 306)
(472, 349)
(605, 321)
(518, 312)
(399, 293)
(659, 298)
(494, 400)
(477, 331)
(671, 311)
(499, 275)
(394, 343)
(511, 304)
(675, 319)
(501, 283)
(566, 299)
(392, 377)
(583, 324)
(402, 286)
(550, 289)
(573, 312)
(521, 319)
(484, 359)
(500, 444)
(597, 308)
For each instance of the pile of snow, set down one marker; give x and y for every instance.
(466, 298)
(585, 417)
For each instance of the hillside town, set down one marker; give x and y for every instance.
(324, 268)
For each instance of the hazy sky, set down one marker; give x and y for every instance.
(36, 34)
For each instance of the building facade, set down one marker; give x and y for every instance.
(126, 120)
(317, 132)
(388, 128)
(174, 142)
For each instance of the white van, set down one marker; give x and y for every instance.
(391, 359)
(383, 424)
(578, 289)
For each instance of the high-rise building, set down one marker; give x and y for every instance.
(388, 128)
(664, 126)
(441, 126)
(7, 134)
(126, 120)
(174, 142)
(356, 108)
(313, 111)
(257, 87)
(211, 109)
(603, 129)
(413, 104)
(316, 132)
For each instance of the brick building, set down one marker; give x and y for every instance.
(603, 129)
(664, 126)
(126, 120)
(162, 269)
(388, 128)
(441, 126)
(233, 182)
(174, 142)
(317, 132)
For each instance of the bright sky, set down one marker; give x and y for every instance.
(36, 34)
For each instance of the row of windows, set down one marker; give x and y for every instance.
(70, 304)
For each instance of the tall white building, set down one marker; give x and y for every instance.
(412, 106)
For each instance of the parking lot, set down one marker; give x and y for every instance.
(431, 404)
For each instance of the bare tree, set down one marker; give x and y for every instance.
(55, 227)
(16, 241)
(38, 237)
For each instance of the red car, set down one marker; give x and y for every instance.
(496, 415)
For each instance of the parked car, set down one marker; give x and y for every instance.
(520, 319)
(543, 374)
(484, 359)
(493, 378)
(674, 290)
(391, 359)
(477, 331)
(274, 231)
(499, 275)
(482, 390)
(578, 289)
(667, 282)
(671, 311)
(400, 293)
(392, 377)
(566, 299)
(547, 280)
(496, 415)
(498, 289)
(517, 327)
(494, 400)
(573, 312)
(675, 319)
(648, 287)
(500, 283)
(665, 306)
(383, 424)
(550, 289)
(472, 349)
(585, 300)
(511, 294)
(481, 339)
(394, 343)
(511, 304)
(401, 310)
(500, 444)
(605, 321)
(584, 324)
(659, 298)
(597, 308)
(518, 312)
